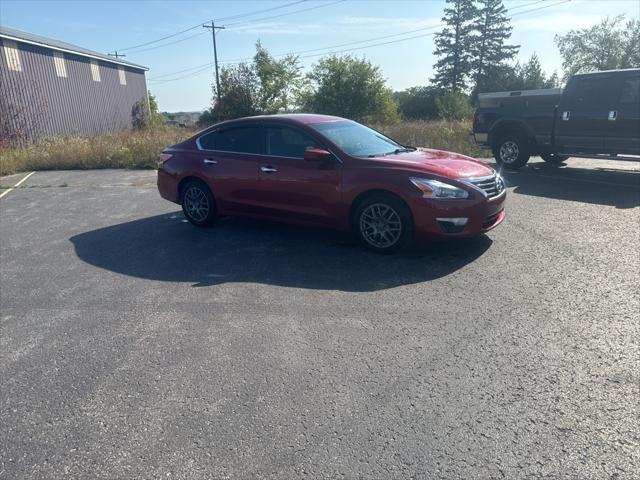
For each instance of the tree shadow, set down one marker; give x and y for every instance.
(601, 185)
(167, 248)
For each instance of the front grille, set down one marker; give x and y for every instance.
(493, 185)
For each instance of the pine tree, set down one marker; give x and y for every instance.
(453, 45)
(489, 52)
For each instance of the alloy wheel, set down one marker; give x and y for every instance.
(380, 225)
(196, 204)
(509, 151)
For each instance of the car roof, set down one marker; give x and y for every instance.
(304, 118)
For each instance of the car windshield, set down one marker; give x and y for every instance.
(356, 139)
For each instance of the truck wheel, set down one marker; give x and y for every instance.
(511, 150)
(554, 158)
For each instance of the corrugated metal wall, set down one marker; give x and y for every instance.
(37, 103)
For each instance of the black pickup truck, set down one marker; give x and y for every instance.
(597, 115)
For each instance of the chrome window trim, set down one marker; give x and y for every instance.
(258, 154)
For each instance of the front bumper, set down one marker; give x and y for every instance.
(483, 215)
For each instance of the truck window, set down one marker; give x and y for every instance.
(630, 92)
(591, 91)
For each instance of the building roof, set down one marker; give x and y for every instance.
(25, 37)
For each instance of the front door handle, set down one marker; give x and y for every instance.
(566, 115)
(210, 161)
(613, 115)
(268, 169)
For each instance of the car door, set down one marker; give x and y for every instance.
(581, 124)
(295, 188)
(623, 134)
(229, 161)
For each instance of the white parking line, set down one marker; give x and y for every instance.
(16, 185)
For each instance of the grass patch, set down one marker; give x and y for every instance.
(128, 149)
(450, 135)
(140, 148)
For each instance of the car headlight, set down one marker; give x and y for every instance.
(436, 189)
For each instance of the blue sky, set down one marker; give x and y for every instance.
(105, 26)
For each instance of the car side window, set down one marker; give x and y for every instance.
(630, 93)
(239, 139)
(207, 141)
(288, 142)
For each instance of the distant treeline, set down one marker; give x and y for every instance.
(473, 56)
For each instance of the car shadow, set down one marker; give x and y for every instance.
(602, 185)
(167, 248)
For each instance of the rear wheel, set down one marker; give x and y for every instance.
(554, 158)
(198, 204)
(511, 150)
(383, 223)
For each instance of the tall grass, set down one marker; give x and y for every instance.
(450, 135)
(140, 148)
(128, 149)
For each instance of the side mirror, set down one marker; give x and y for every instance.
(316, 155)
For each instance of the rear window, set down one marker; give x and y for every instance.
(239, 139)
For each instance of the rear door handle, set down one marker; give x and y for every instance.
(210, 161)
(268, 169)
(613, 115)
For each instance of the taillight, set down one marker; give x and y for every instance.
(163, 158)
(475, 119)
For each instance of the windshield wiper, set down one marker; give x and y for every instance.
(394, 152)
(402, 150)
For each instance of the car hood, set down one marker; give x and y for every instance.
(438, 162)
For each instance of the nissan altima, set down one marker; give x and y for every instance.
(328, 171)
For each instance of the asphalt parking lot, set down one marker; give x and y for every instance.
(133, 345)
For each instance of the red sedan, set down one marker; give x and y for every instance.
(328, 171)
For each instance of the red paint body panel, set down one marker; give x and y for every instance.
(322, 193)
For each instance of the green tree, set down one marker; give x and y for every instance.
(157, 118)
(454, 45)
(240, 93)
(489, 52)
(280, 80)
(454, 106)
(418, 102)
(349, 87)
(611, 44)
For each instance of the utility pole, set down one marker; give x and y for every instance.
(117, 55)
(215, 54)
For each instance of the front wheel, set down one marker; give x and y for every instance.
(383, 223)
(554, 158)
(511, 151)
(198, 204)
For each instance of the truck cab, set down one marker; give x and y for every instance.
(597, 115)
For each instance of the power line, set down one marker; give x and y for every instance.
(329, 49)
(167, 44)
(256, 12)
(286, 14)
(204, 65)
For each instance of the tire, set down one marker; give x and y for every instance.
(383, 223)
(198, 204)
(511, 150)
(554, 158)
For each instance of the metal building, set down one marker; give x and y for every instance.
(50, 88)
